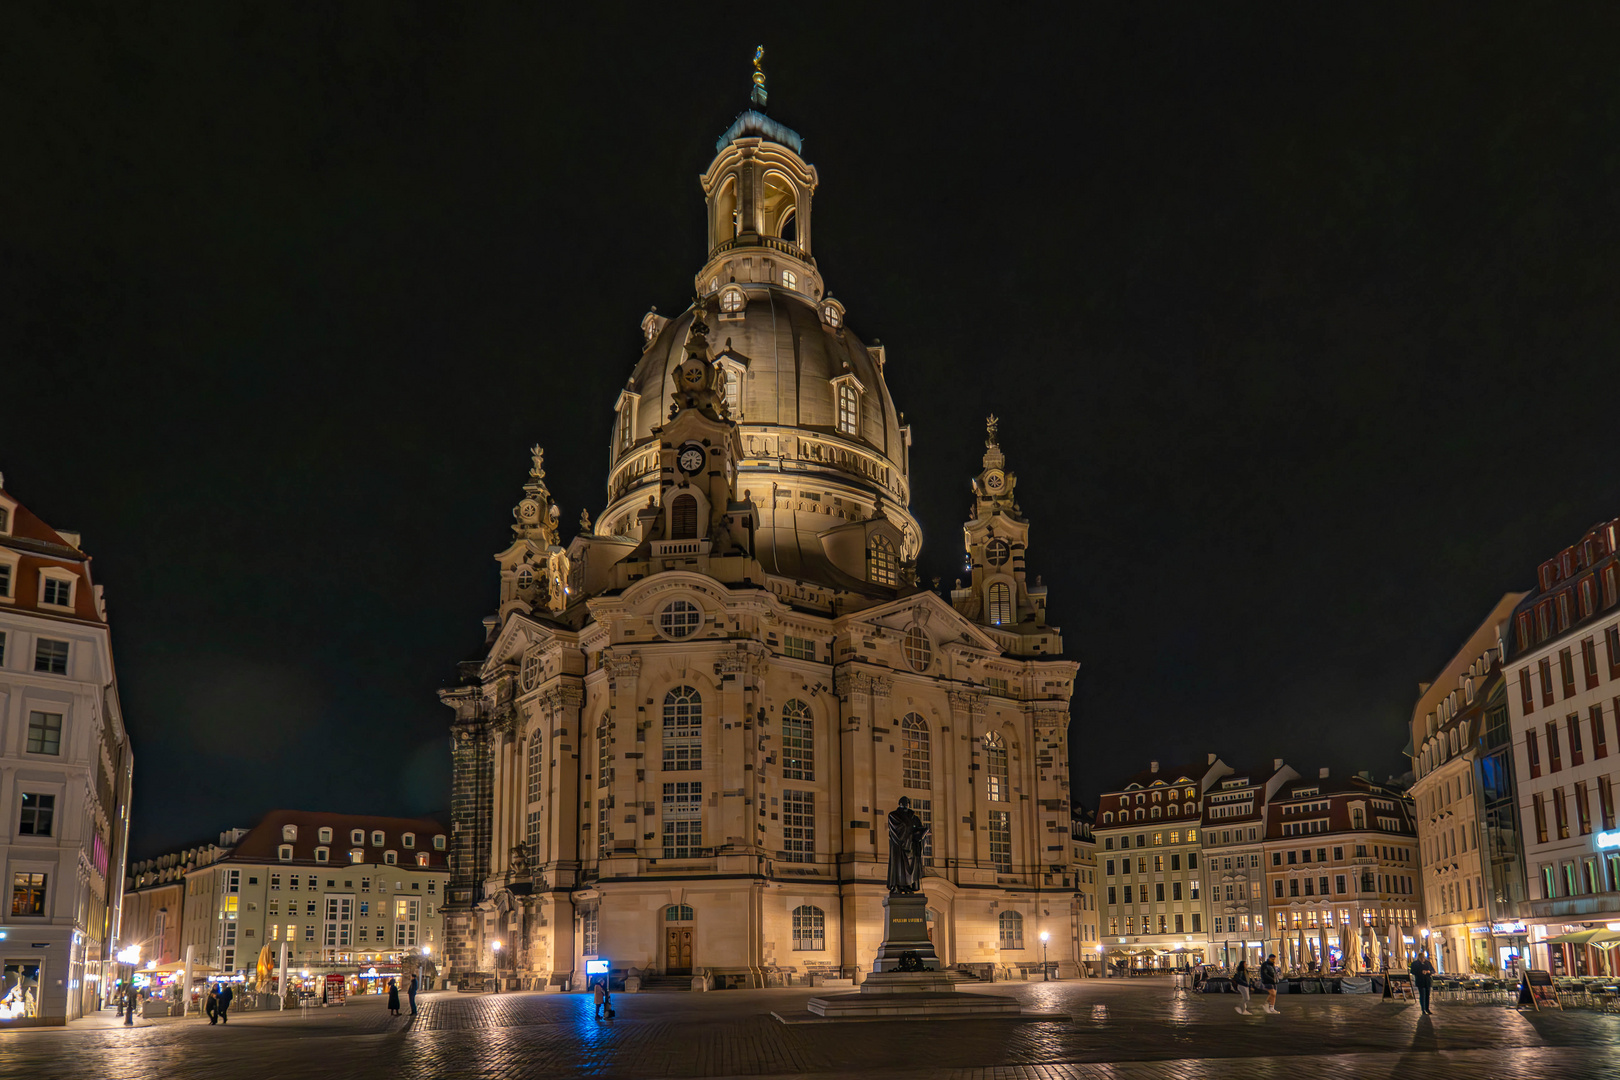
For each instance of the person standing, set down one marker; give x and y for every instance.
(410, 992)
(1240, 982)
(604, 1000)
(130, 998)
(393, 998)
(211, 1004)
(1422, 973)
(1268, 982)
(226, 994)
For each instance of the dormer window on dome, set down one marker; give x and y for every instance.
(732, 300)
(882, 564)
(847, 390)
(832, 313)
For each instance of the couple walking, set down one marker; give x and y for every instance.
(1268, 983)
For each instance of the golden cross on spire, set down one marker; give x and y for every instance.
(758, 96)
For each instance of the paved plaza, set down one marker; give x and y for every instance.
(1118, 1029)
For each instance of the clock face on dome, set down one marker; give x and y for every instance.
(690, 459)
(995, 480)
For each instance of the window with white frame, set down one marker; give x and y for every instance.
(1001, 610)
(537, 766)
(882, 564)
(790, 280)
(731, 384)
(588, 932)
(6, 577)
(44, 733)
(1010, 930)
(1001, 839)
(809, 929)
(799, 826)
(798, 648)
(683, 819)
(324, 836)
(924, 809)
(604, 755)
(390, 857)
(916, 762)
(732, 300)
(919, 651)
(604, 829)
(56, 590)
(680, 618)
(995, 768)
(50, 656)
(321, 854)
(377, 838)
(849, 408)
(38, 814)
(357, 836)
(683, 730)
(284, 853)
(626, 429)
(798, 742)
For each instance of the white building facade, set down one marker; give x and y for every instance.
(678, 752)
(1563, 674)
(65, 775)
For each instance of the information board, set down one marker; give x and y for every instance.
(1536, 989)
(336, 990)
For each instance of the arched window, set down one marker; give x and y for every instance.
(1012, 930)
(1000, 604)
(849, 409)
(798, 742)
(726, 223)
(916, 765)
(626, 433)
(732, 300)
(918, 649)
(683, 515)
(882, 565)
(1108, 817)
(1173, 810)
(731, 382)
(1155, 812)
(809, 929)
(683, 730)
(678, 913)
(604, 756)
(995, 767)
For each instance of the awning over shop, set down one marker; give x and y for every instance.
(1582, 937)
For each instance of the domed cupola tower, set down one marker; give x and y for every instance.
(823, 456)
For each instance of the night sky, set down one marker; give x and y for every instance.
(1302, 323)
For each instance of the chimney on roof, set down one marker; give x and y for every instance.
(1276, 763)
(1322, 773)
(1153, 766)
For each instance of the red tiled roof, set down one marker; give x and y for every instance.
(42, 547)
(263, 842)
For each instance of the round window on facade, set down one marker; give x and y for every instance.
(919, 652)
(680, 619)
(732, 300)
(997, 552)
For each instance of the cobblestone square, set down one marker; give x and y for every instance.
(1140, 1028)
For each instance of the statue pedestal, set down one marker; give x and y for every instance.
(905, 929)
(927, 993)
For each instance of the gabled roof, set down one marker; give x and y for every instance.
(41, 547)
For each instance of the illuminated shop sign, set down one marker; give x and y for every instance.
(1507, 928)
(1609, 839)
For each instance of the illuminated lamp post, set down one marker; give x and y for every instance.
(1046, 972)
(496, 946)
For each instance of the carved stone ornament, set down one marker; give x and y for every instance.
(968, 701)
(622, 666)
(881, 686)
(846, 683)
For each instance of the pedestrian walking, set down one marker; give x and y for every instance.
(411, 993)
(130, 998)
(393, 998)
(1240, 982)
(226, 995)
(1422, 973)
(211, 1004)
(604, 1000)
(1268, 982)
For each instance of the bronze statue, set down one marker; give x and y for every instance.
(907, 831)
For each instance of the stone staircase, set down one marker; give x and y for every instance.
(666, 984)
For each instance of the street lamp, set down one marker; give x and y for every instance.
(1046, 972)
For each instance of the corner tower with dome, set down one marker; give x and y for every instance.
(678, 750)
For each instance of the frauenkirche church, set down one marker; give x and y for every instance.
(679, 750)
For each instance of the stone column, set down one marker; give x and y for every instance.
(626, 730)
